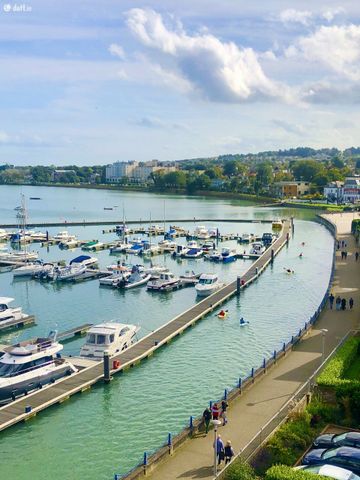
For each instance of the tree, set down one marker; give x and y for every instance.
(337, 162)
(231, 168)
(264, 174)
(41, 174)
(12, 175)
(306, 169)
(175, 179)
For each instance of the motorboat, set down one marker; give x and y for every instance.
(268, 238)
(277, 225)
(167, 245)
(165, 282)
(39, 236)
(122, 230)
(84, 260)
(64, 236)
(156, 230)
(246, 238)
(226, 255)
(9, 314)
(208, 246)
(192, 250)
(201, 232)
(213, 232)
(112, 337)
(208, 283)
(28, 270)
(18, 257)
(69, 243)
(119, 248)
(135, 249)
(30, 365)
(155, 270)
(91, 245)
(150, 250)
(257, 248)
(69, 272)
(189, 278)
(116, 277)
(135, 279)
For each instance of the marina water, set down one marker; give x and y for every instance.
(107, 429)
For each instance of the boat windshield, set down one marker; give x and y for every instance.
(13, 369)
(3, 307)
(206, 281)
(123, 331)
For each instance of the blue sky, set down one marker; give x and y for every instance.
(92, 82)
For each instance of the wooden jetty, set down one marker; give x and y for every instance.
(28, 406)
(23, 322)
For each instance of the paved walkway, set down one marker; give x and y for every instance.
(253, 409)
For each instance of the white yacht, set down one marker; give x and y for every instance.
(135, 279)
(18, 257)
(30, 365)
(155, 270)
(208, 284)
(70, 272)
(192, 250)
(64, 236)
(3, 234)
(111, 337)
(189, 278)
(28, 270)
(165, 282)
(84, 260)
(257, 248)
(7, 313)
(167, 245)
(201, 232)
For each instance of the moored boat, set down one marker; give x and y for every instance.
(9, 314)
(208, 284)
(165, 282)
(112, 337)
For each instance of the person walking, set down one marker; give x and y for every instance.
(228, 452)
(338, 303)
(331, 300)
(343, 304)
(346, 254)
(207, 418)
(356, 256)
(342, 254)
(224, 406)
(215, 409)
(351, 303)
(219, 446)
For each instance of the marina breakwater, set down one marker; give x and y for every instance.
(28, 406)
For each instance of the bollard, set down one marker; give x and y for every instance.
(252, 372)
(107, 376)
(145, 459)
(238, 285)
(287, 237)
(274, 355)
(299, 333)
(256, 271)
(292, 339)
(225, 394)
(156, 343)
(264, 363)
(28, 409)
(240, 383)
(272, 255)
(191, 422)
(306, 325)
(284, 347)
(169, 441)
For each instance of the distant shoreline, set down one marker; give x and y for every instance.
(201, 193)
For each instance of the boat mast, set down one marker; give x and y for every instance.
(22, 217)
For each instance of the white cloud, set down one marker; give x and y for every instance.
(331, 13)
(295, 16)
(117, 50)
(219, 71)
(336, 47)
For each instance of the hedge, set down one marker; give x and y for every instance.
(240, 470)
(355, 226)
(333, 373)
(283, 472)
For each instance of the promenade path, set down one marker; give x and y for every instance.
(255, 407)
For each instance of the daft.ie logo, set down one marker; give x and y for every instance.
(17, 8)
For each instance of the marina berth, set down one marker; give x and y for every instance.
(257, 248)
(201, 232)
(227, 255)
(208, 283)
(64, 236)
(30, 365)
(189, 278)
(111, 337)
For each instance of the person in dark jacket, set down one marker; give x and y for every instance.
(207, 417)
(224, 406)
(343, 304)
(338, 303)
(331, 300)
(351, 303)
(228, 452)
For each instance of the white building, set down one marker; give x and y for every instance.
(344, 192)
(135, 172)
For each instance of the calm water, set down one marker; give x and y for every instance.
(107, 429)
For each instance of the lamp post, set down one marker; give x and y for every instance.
(216, 424)
(323, 334)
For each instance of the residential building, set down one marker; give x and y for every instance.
(343, 192)
(58, 174)
(290, 189)
(136, 172)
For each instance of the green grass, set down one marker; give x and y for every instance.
(353, 372)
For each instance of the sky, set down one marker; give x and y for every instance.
(97, 81)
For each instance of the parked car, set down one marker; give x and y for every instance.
(331, 471)
(346, 457)
(349, 439)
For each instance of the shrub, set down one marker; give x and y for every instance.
(283, 472)
(332, 375)
(240, 470)
(325, 412)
